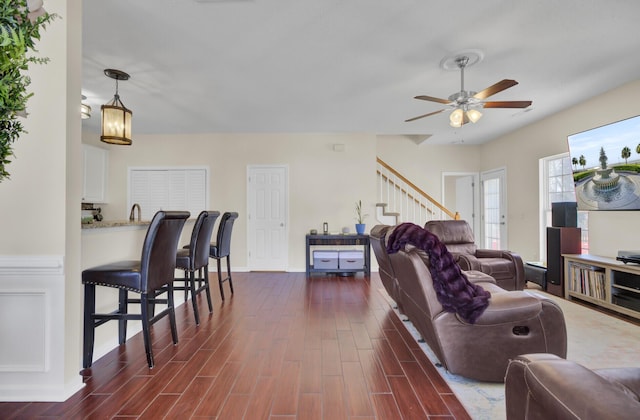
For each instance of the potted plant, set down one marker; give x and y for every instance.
(360, 225)
(20, 24)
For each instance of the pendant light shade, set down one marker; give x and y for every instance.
(85, 110)
(116, 118)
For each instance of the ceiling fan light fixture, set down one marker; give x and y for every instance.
(474, 115)
(455, 119)
(116, 118)
(467, 104)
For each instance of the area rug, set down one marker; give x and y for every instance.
(594, 339)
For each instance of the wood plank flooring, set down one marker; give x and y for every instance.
(283, 347)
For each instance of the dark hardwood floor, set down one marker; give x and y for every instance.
(283, 347)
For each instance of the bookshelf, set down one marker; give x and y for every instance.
(604, 282)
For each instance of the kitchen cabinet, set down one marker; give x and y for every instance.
(95, 161)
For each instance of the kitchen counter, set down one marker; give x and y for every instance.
(114, 223)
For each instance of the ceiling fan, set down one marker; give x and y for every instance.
(466, 105)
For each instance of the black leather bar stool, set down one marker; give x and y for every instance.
(154, 271)
(222, 248)
(195, 257)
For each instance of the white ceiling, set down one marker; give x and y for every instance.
(343, 66)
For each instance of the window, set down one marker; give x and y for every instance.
(556, 185)
(169, 189)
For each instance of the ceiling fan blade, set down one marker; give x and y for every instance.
(507, 104)
(498, 87)
(432, 99)
(422, 116)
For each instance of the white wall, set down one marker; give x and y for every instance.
(520, 151)
(324, 184)
(40, 250)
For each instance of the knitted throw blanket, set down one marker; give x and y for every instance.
(454, 291)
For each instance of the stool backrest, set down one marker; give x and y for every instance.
(224, 233)
(158, 261)
(201, 238)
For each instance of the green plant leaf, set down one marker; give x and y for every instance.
(18, 36)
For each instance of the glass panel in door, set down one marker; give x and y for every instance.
(494, 226)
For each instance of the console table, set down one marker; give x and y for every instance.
(338, 240)
(604, 282)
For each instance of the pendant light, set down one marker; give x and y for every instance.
(116, 118)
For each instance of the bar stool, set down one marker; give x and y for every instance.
(222, 247)
(154, 271)
(195, 257)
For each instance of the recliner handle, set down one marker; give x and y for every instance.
(521, 330)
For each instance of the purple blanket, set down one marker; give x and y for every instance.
(454, 291)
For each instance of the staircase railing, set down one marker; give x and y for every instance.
(397, 195)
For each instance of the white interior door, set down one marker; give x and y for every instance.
(464, 198)
(494, 220)
(267, 212)
(461, 194)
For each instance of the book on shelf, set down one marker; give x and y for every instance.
(587, 280)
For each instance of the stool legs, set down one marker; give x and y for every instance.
(123, 305)
(220, 281)
(205, 279)
(195, 284)
(89, 327)
(172, 315)
(228, 278)
(147, 309)
(229, 273)
(146, 333)
(194, 302)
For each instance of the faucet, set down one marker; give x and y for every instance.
(131, 218)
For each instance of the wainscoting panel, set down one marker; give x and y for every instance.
(24, 310)
(32, 329)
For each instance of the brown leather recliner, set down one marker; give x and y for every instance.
(504, 266)
(387, 276)
(514, 323)
(378, 235)
(544, 386)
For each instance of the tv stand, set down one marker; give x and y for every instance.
(604, 282)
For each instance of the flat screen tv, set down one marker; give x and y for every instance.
(606, 166)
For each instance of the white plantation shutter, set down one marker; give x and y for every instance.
(168, 189)
(196, 182)
(177, 196)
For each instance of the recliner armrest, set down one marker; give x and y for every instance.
(509, 308)
(561, 389)
(492, 253)
(508, 255)
(517, 262)
(468, 262)
(564, 389)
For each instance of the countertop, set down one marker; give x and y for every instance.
(114, 223)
